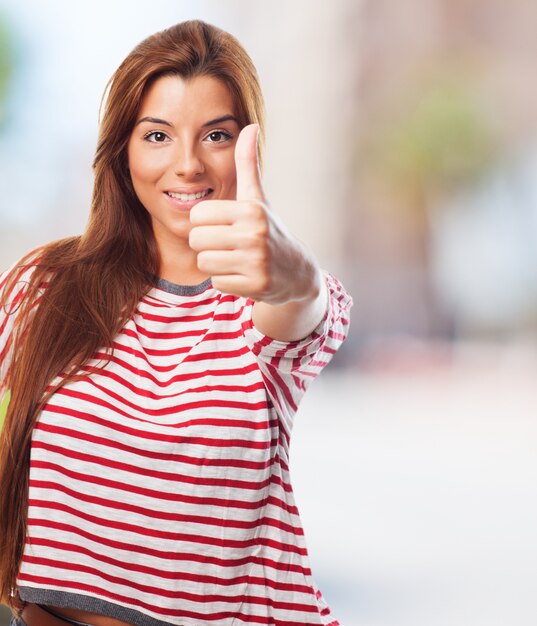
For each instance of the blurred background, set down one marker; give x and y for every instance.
(402, 148)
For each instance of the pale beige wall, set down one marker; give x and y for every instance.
(307, 57)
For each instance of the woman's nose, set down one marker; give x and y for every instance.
(188, 162)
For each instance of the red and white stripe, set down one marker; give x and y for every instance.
(159, 483)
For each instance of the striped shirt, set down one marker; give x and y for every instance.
(159, 486)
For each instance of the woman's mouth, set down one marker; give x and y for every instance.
(186, 201)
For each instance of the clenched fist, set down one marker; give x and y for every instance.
(242, 244)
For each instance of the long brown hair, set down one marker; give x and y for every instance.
(87, 287)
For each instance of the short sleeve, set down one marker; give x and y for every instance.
(289, 367)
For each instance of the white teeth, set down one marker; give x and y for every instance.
(188, 197)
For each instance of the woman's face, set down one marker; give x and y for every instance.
(181, 151)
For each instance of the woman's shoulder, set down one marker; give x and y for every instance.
(22, 268)
(14, 287)
(44, 257)
(18, 275)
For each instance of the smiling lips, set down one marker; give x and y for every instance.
(188, 197)
(185, 201)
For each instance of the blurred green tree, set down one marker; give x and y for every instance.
(426, 144)
(432, 136)
(438, 139)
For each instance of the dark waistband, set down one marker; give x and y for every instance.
(36, 615)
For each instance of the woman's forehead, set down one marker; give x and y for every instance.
(199, 97)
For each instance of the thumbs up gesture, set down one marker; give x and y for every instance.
(243, 245)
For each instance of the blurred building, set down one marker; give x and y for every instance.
(445, 109)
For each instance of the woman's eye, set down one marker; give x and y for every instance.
(156, 136)
(218, 136)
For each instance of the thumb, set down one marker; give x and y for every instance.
(249, 185)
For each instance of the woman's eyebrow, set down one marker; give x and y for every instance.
(154, 120)
(218, 120)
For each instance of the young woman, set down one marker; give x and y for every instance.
(154, 366)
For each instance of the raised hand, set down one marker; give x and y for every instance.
(242, 244)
